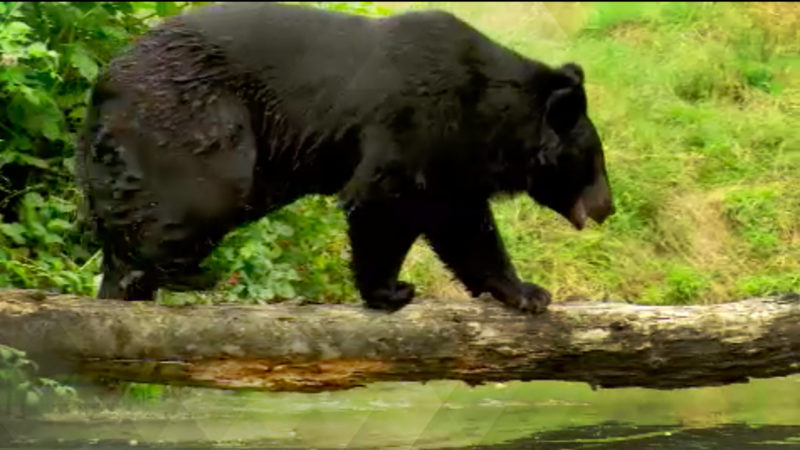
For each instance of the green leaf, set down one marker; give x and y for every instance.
(32, 160)
(125, 7)
(47, 382)
(78, 113)
(164, 9)
(36, 112)
(64, 391)
(285, 290)
(34, 199)
(32, 398)
(16, 232)
(115, 33)
(282, 229)
(16, 28)
(13, 76)
(59, 225)
(39, 50)
(30, 95)
(80, 59)
(37, 228)
(6, 353)
(51, 239)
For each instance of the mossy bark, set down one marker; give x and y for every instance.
(295, 347)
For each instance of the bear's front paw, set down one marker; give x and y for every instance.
(530, 298)
(390, 299)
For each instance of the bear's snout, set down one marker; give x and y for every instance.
(594, 203)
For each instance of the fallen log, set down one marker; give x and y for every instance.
(302, 347)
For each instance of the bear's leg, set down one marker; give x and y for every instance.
(380, 238)
(172, 264)
(122, 282)
(466, 239)
(164, 196)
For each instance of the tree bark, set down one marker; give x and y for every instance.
(295, 347)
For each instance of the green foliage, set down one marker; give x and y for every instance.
(362, 8)
(298, 252)
(32, 249)
(143, 393)
(753, 213)
(250, 256)
(23, 392)
(319, 249)
(684, 284)
(608, 15)
(768, 284)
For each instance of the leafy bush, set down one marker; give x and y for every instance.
(36, 250)
(24, 392)
(249, 258)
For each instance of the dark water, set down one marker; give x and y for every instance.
(762, 414)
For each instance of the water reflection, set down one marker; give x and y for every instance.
(765, 413)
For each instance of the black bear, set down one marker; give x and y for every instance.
(221, 115)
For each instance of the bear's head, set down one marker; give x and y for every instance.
(568, 173)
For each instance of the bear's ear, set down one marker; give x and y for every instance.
(567, 100)
(573, 71)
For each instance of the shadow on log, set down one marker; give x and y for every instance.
(293, 347)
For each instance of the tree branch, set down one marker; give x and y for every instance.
(295, 347)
